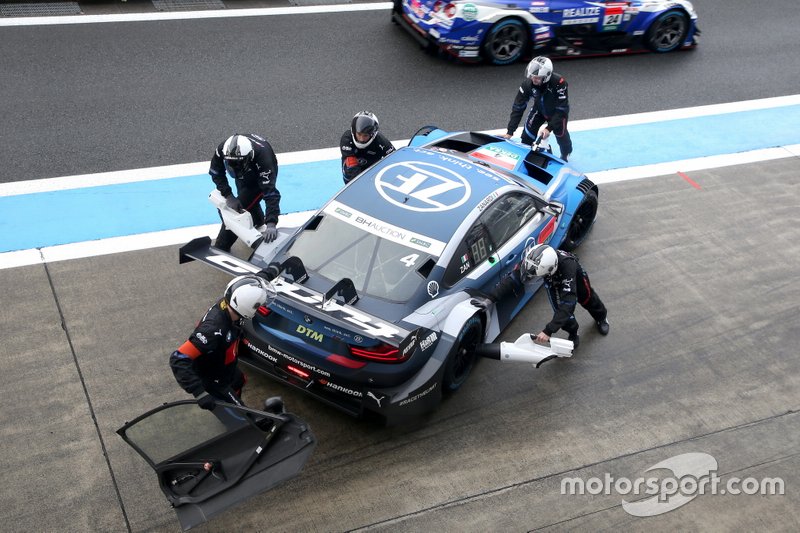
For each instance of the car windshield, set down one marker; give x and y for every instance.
(378, 266)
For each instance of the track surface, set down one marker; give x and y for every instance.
(701, 284)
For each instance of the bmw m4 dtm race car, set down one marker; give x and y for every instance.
(376, 311)
(502, 32)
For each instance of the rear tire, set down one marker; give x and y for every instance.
(462, 358)
(582, 222)
(506, 42)
(667, 32)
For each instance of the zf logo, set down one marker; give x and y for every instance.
(422, 186)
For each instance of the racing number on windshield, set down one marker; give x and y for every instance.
(409, 260)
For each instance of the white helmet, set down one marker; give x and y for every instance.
(540, 260)
(540, 66)
(237, 153)
(245, 294)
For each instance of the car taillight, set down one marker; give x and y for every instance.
(450, 10)
(263, 310)
(382, 353)
(297, 372)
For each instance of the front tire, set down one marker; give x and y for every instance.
(506, 42)
(667, 32)
(462, 358)
(582, 222)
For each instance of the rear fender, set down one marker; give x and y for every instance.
(462, 312)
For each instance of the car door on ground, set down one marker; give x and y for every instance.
(207, 462)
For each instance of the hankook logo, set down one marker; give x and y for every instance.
(422, 187)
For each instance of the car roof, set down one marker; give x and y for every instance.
(426, 191)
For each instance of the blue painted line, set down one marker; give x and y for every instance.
(77, 215)
(661, 142)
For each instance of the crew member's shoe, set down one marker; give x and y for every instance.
(602, 326)
(274, 405)
(576, 340)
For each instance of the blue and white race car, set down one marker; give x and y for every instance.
(376, 311)
(502, 32)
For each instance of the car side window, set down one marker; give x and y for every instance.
(475, 248)
(507, 215)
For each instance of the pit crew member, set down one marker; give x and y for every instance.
(251, 162)
(362, 145)
(550, 109)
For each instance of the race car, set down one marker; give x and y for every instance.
(502, 32)
(384, 292)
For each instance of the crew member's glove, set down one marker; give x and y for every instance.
(271, 232)
(233, 203)
(544, 133)
(206, 401)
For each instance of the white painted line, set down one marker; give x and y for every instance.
(184, 235)
(187, 15)
(688, 165)
(128, 243)
(325, 154)
(683, 113)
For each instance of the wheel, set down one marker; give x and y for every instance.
(667, 32)
(582, 222)
(506, 42)
(461, 360)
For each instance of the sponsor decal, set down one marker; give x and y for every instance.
(259, 351)
(309, 333)
(428, 341)
(343, 212)
(307, 319)
(581, 12)
(469, 12)
(387, 231)
(358, 338)
(201, 337)
(298, 362)
(340, 388)
(418, 395)
(377, 397)
(423, 187)
(424, 244)
(488, 200)
(433, 289)
(468, 53)
(573, 22)
(409, 344)
(534, 9)
(497, 155)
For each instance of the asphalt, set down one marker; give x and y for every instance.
(702, 288)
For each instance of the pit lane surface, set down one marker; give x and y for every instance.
(702, 289)
(98, 97)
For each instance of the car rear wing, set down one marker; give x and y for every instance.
(335, 306)
(200, 249)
